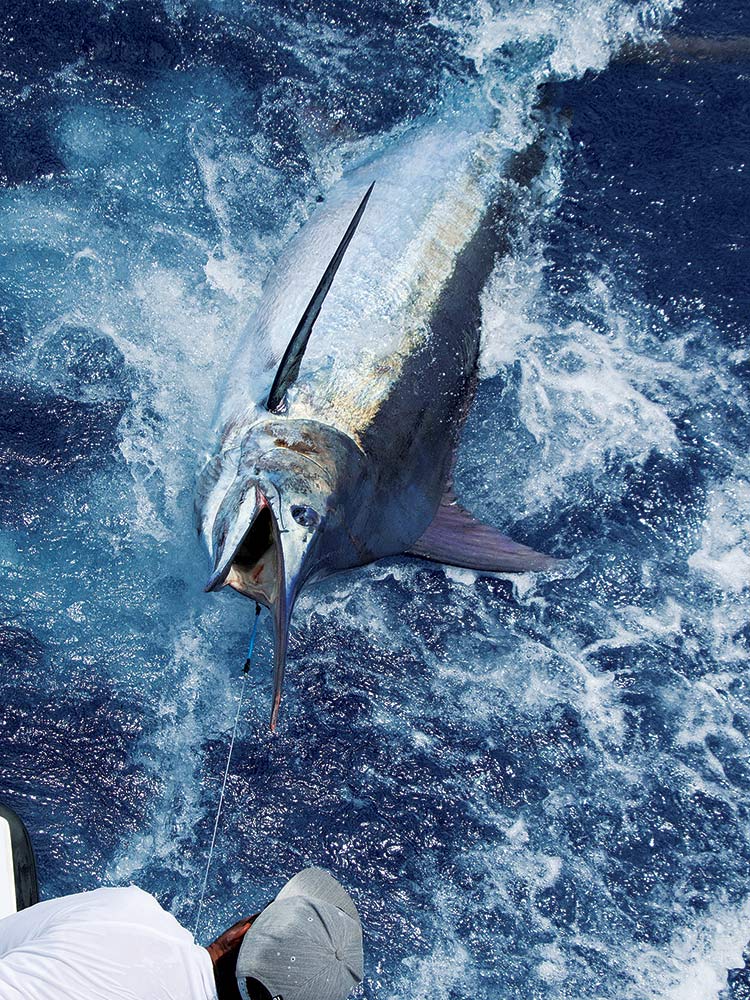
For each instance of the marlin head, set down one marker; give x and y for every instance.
(287, 519)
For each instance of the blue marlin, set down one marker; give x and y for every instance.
(342, 413)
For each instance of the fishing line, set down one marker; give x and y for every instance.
(245, 672)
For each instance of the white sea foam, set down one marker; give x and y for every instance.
(724, 553)
(575, 38)
(585, 392)
(699, 956)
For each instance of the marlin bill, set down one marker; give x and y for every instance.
(346, 396)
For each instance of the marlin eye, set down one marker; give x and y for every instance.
(305, 516)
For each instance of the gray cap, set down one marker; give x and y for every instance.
(307, 944)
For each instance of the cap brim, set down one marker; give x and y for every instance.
(316, 883)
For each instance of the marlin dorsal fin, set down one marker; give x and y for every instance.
(288, 370)
(457, 538)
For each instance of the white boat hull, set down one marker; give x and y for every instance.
(18, 881)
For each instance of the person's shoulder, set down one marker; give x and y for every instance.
(115, 902)
(134, 892)
(130, 893)
(64, 913)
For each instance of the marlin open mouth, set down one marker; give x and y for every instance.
(256, 567)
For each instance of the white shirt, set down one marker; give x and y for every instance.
(109, 944)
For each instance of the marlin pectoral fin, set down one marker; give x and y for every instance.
(456, 537)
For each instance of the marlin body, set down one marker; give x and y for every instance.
(346, 397)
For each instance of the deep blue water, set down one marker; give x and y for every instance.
(535, 788)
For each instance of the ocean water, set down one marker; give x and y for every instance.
(534, 786)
